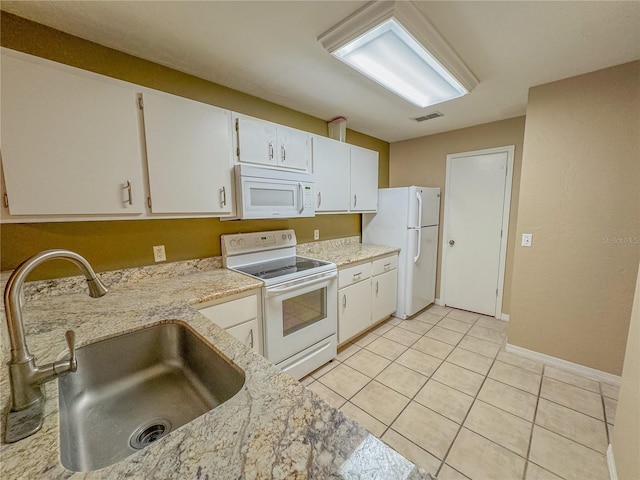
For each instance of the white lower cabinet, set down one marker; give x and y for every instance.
(384, 293)
(354, 310)
(240, 316)
(366, 295)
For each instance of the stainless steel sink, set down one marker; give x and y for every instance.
(133, 389)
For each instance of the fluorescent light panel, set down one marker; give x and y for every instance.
(390, 56)
(387, 41)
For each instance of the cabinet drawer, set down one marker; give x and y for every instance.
(349, 276)
(384, 264)
(232, 313)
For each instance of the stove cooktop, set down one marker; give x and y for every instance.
(272, 269)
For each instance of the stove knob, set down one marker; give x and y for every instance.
(233, 243)
(289, 236)
(284, 236)
(241, 243)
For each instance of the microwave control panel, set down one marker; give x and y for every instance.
(308, 197)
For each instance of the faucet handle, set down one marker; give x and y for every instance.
(71, 342)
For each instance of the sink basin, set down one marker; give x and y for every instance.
(133, 389)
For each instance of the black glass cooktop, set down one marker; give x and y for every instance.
(280, 267)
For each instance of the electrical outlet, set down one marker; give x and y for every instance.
(527, 239)
(316, 234)
(159, 254)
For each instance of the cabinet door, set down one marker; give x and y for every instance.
(70, 141)
(364, 180)
(384, 293)
(189, 155)
(256, 141)
(354, 310)
(331, 172)
(293, 149)
(248, 333)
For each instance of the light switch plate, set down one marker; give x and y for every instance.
(316, 234)
(527, 239)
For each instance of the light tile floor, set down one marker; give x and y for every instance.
(441, 390)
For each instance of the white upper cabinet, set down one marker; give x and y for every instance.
(293, 148)
(256, 141)
(266, 143)
(364, 180)
(70, 141)
(346, 177)
(331, 172)
(189, 155)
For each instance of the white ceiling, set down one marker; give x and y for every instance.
(269, 49)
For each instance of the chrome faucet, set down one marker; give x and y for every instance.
(27, 397)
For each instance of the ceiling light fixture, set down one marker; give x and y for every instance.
(387, 41)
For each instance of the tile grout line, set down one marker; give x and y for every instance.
(533, 424)
(430, 377)
(468, 412)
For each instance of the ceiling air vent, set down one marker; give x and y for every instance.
(429, 116)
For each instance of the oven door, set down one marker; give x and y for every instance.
(299, 313)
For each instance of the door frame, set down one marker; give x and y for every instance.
(509, 150)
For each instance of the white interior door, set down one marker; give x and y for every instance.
(478, 186)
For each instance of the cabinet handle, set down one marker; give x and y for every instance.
(344, 301)
(356, 276)
(284, 153)
(128, 188)
(251, 338)
(270, 150)
(223, 201)
(386, 266)
(377, 285)
(319, 198)
(355, 201)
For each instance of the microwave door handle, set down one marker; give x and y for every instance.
(301, 196)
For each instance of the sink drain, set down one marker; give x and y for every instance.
(149, 433)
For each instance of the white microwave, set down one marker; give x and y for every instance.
(270, 193)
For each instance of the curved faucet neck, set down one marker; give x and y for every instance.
(19, 351)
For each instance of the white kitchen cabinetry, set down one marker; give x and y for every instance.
(266, 143)
(364, 180)
(189, 155)
(354, 301)
(331, 173)
(346, 177)
(366, 295)
(384, 287)
(240, 316)
(70, 141)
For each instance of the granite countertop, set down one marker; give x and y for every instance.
(344, 252)
(273, 428)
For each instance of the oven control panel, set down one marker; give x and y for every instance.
(240, 243)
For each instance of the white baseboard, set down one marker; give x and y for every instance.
(588, 372)
(504, 316)
(437, 301)
(613, 474)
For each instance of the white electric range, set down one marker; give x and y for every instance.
(299, 298)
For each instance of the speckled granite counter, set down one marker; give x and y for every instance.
(273, 428)
(344, 251)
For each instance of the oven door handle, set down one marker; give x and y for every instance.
(303, 282)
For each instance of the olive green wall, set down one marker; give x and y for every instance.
(111, 245)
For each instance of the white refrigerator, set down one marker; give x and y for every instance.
(408, 218)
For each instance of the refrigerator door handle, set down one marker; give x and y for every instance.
(419, 222)
(419, 240)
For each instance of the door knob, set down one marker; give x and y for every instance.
(452, 243)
